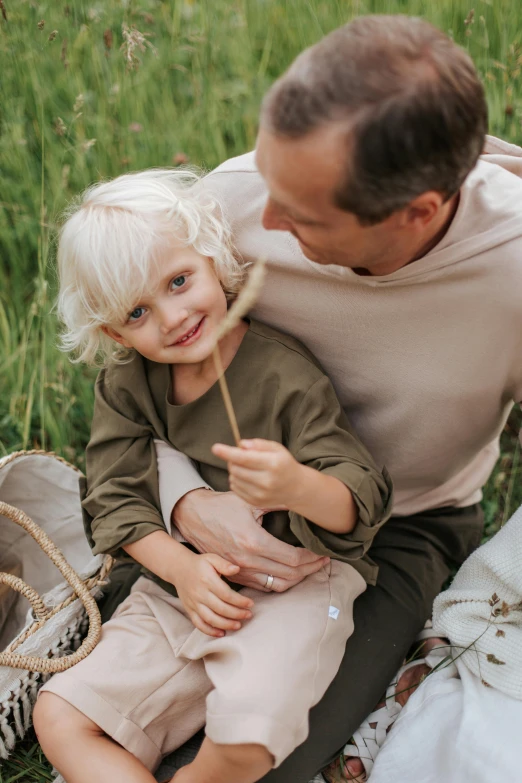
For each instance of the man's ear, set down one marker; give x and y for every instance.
(423, 209)
(116, 336)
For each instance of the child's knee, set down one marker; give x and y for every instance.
(54, 719)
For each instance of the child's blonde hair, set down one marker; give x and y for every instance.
(110, 241)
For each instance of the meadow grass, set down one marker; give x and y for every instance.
(84, 96)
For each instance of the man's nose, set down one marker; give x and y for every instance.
(273, 219)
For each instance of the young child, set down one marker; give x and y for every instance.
(146, 268)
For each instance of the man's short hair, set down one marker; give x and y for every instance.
(411, 99)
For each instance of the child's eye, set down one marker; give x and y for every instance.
(178, 282)
(136, 314)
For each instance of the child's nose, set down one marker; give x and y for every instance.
(172, 320)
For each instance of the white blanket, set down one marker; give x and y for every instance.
(481, 613)
(456, 728)
(453, 730)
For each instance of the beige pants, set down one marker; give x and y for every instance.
(154, 680)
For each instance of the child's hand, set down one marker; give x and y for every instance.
(262, 472)
(211, 604)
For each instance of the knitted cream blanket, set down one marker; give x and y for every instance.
(481, 613)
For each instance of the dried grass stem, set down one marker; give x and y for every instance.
(245, 301)
(239, 308)
(226, 394)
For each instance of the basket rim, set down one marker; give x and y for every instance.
(81, 590)
(14, 455)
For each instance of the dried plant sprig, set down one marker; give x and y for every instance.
(60, 128)
(239, 308)
(63, 54)
(134, 40)
(226, 395)
(245, 301)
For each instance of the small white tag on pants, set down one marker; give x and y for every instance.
(333, 612)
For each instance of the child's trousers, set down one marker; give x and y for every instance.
(154, 680)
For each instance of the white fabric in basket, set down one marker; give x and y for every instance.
(47, 491)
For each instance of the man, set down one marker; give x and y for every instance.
(396, 257)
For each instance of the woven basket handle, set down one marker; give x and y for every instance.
(49, 665)
(28, 592)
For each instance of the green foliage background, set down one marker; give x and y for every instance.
(72, 112)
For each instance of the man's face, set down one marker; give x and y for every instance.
(302, 176)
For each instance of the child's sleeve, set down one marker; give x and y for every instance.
(320, 437)
(120, 495)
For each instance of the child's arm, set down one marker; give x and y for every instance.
(266, 475)
(211, 604)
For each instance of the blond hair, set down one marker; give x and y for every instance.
(109, 244)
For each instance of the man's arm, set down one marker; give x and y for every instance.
(177, 477)
(223, 524)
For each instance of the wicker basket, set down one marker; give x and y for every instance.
(39, 496)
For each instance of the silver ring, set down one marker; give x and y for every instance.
(269, 581)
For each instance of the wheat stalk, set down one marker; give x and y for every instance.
(245, 301)
(133, 40)
(226, 395)
(239, 308)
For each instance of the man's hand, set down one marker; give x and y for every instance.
(223, 524)
(262, 472)
(211, 604)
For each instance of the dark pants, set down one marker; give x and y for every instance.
(415, 555)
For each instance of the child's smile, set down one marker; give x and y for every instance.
(191, 336)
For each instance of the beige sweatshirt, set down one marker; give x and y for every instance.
(426, 361)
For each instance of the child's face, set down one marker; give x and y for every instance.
(176, 323)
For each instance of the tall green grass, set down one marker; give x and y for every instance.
(71, 112)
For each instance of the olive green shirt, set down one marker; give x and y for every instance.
(279, 392)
